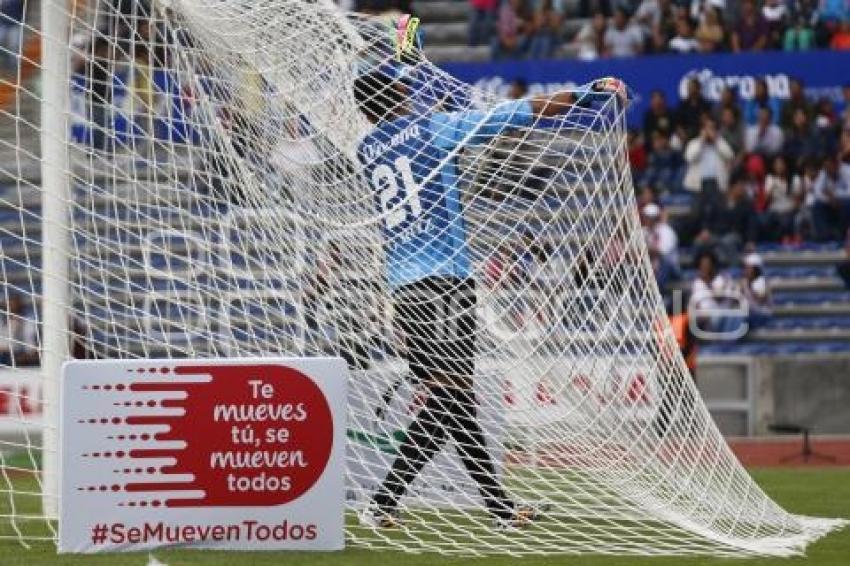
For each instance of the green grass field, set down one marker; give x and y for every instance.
(819, 492)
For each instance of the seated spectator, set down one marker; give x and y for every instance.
(18, 335)
(690, 112)
(764, 136)
(831, 202)
(660, 237)
(775, 13)
(623, 39)
(665, 164)
(755, 292)
(665, 25)
(841, 37)
(711, 35)
(783, 192)
(804, 223)
(11, 17)
(843, 108)
(796, 101)
(547, 23)
(800, 36)
(649, 14)
(512, 29)
(843, 267)
(591, 38)
(728, 99)
(726, 222)
(709, 159)
(482, 20)
(752, 31)
(826, 127)
(755, 173)
(832, 12)
(709, 295)
(761, 99)
(658, 118)
(636, 152)
(684, 40)
(800, 142)
(731, 130)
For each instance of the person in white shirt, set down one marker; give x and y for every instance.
(709, 158)
(755, 291)
(784, 193)
(710, 291)
(660, 237)
(623, 39)
(684, 41)
(764, 136)
(830, 190)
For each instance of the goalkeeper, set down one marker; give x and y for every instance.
(410, 160)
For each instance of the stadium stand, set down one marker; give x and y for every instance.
(810, 311)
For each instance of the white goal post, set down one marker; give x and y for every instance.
(190, 179)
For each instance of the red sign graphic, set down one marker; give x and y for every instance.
(232, 435)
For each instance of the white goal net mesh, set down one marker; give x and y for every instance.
(222, 201)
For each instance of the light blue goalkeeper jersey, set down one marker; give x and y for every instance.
(408, 165)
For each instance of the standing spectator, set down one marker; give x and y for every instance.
(591, 38)
(623, 39)
(775, 13)
(751, 33)
(684, 40)
(796, 101)
(658, 118)
(783, 192)
(709, 159)
(547, 23)
(710, 33)
(764, 136)
(482, 20)
(841, 38)
(512, 27)
(755, 292)
(691, 110)
(664, 172)
(761, 99)
(830, 199)
(800, 36)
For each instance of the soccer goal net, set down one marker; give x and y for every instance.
(187, 178)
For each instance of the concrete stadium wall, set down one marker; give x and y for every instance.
(746, 395)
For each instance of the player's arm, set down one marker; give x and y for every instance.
(479, 127)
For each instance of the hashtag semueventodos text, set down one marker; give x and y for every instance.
(164, 533)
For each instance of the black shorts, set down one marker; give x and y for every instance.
(436, 317)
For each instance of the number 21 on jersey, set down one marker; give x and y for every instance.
(385, 180)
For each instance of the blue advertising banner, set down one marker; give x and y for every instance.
(823, 73)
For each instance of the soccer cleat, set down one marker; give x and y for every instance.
(523, 516)
(377, 518)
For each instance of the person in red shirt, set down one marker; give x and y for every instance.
(841, 37)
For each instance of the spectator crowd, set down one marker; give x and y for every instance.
(623, 28)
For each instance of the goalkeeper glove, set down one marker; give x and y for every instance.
(610, 85)
(407, 39)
